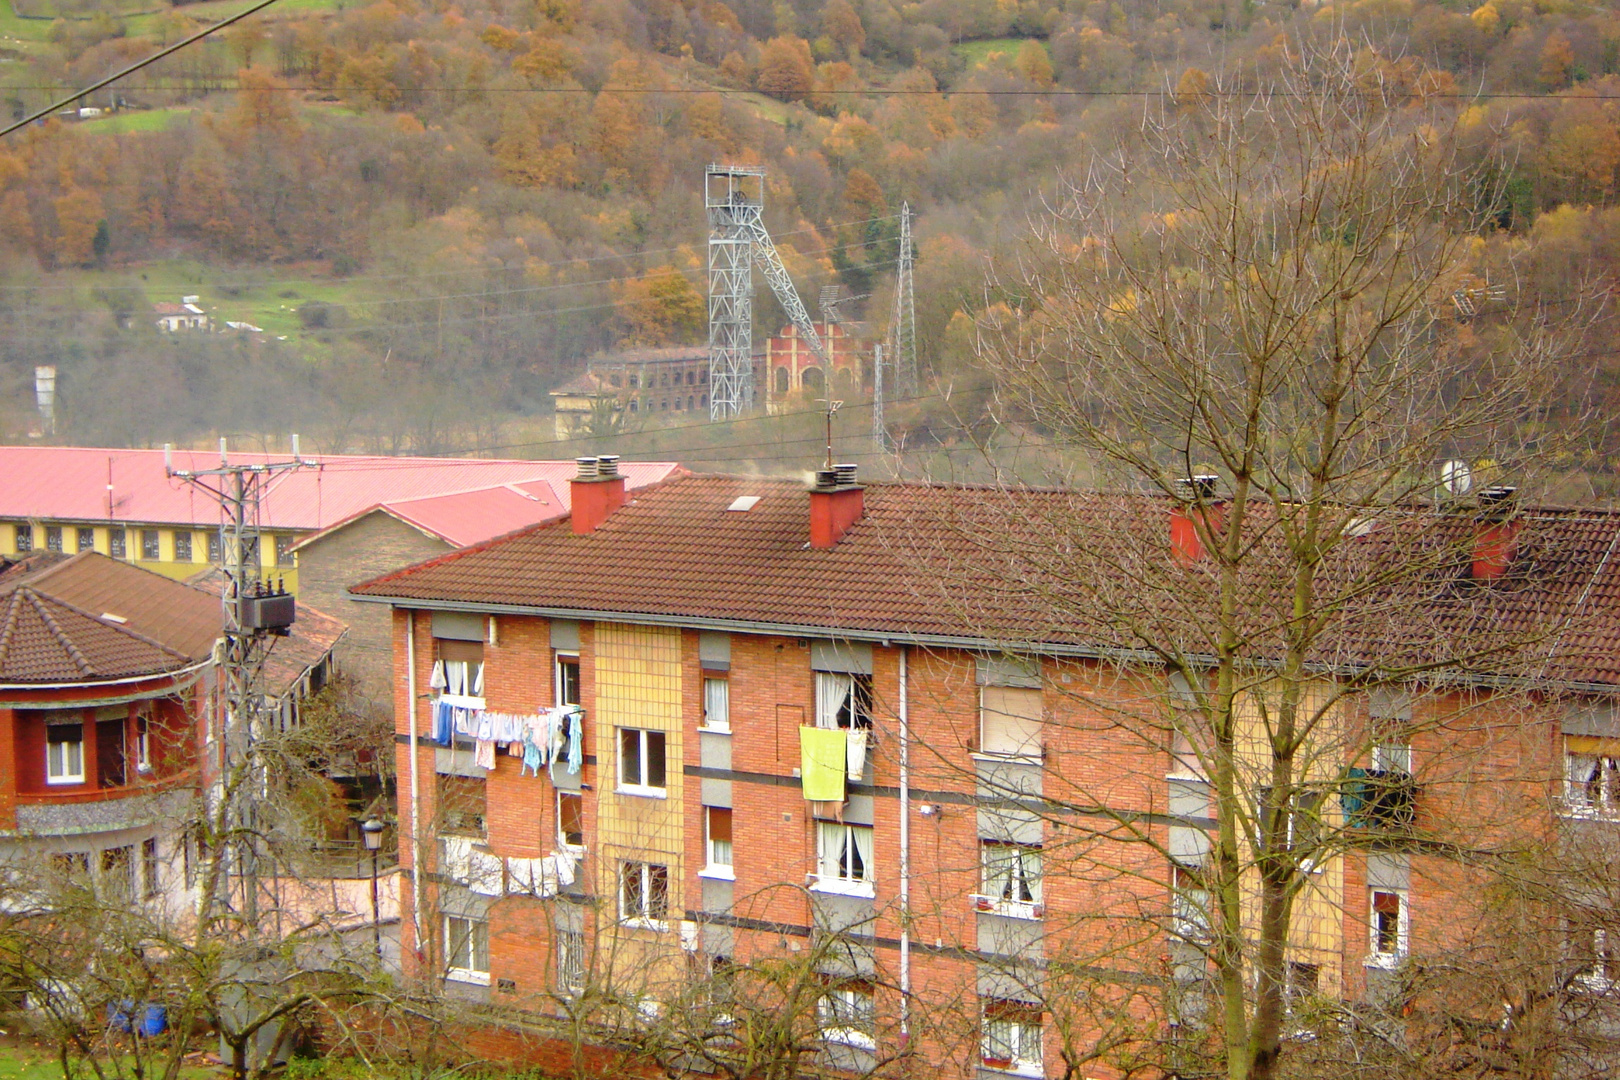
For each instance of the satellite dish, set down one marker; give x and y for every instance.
(1456, 478)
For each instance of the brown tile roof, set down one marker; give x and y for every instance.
(88, 618)
(1066, 569)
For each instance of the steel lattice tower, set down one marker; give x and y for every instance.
(734, 196)
(903, 330)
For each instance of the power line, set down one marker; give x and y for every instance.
(636, 91)
(552, 265)
(132, 68)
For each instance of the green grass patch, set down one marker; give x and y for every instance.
(767, 107)
(975, 53)
(136, 120)
(34, 1061)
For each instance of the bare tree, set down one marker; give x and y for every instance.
(1250, 313)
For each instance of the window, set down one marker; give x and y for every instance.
(1302, 831)
(1596, 965)
(151, 878)
(284, 551)
(25, 538)
(1011, 1037)
(250, 550)
(644, 892)
(466, 949)
(717, 837)
(843, 701)
(844, 856)
(1189, 904)
(115, 543)
(1388, 925)
(463, 664)
(1010, 721)
(72, 865)
(1392, 757)
(1591, 776)
(87, 539)
(1011, 872)
(717, 704)
(847, 1013)
(53, 538)
(641, 761)
(462, 803)
(215, 549)
(64, 753)
(182, 546)
(118, 873)
(567, 679)
(1301, 982)
(570, 959)
(571, 818)
(143, 744)
(151, 545)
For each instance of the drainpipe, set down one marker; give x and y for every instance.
(905, 856)
(416, 829)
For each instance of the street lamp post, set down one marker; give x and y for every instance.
(371, 831)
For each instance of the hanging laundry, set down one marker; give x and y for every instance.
(576, 741)
(478, 681)
(858, 739)
(484, 754)
(486, 728)
(436, 681)
(441, 732)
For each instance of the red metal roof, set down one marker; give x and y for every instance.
(468, 517)
(68, 483)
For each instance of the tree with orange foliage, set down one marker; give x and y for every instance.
(841, 23)
(786, 71)
(662, 307)
(1557, 61)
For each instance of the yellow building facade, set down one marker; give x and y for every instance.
(165, 549)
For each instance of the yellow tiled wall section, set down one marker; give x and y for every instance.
(638, 685)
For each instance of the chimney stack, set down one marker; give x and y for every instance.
(595, 492)
(1200, 505)
(836, 503)
(1496, 533)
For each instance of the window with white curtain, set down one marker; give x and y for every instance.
(1591, 776)
(1012, 872)
(843, 700)
(1010, 1039)
(463, 663)
(844, 856)
(717, 704)
(466, 949)
(848, 1014)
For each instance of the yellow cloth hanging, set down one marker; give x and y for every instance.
(824, 753)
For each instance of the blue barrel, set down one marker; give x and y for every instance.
(154, 1022)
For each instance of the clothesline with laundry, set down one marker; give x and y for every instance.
(548, 737)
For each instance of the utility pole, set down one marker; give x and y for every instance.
(255, 612)
(880, 432)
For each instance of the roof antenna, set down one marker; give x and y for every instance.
(832, 407)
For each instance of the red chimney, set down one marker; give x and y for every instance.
(1496, 534)
(596, 492)
(1185, 544)
(836, 503)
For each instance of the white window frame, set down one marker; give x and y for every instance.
(1392, 757)
(62, 756)
(1598, 977)
(470, 942)
(1009, 867)
(1190, 899)
(716, 703)
(1599, 796)
(151, 868)
(1375, 956)
(847, 1015)
(835, 690)
(638, 911)
(143, 745)
(1016, 1042)
(638, 785)
(558, 693)
(1029, 751)
(562, 837)
(571, 960)
(717, 854)
(833, 866)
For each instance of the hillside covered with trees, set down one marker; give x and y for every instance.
(438, 210)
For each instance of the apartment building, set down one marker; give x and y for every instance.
(813, 715)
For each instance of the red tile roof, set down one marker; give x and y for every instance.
(69, 483)
(1066, 569)
(90, 618)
